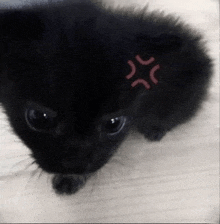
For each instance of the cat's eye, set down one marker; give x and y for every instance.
(115, 125)
(40, 120)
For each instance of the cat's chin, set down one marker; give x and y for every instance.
(57, 167)
(69, 183)
(75, 171)
(71, 167)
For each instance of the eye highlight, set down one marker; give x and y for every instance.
(40, 119)
(115, 125)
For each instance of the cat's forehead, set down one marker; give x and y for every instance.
(69, 70)
(71, 83)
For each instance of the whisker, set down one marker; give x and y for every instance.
(48, 179)
(16, 173)
(40, 175)
(118, 161)
(29, 165)
(32, 174)
(94, 182)
(18, 163)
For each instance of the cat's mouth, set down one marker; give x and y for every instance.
(68, 184)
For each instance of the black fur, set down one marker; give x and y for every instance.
(63, 78)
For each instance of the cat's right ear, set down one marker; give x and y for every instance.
(17, 27)
(20, 25)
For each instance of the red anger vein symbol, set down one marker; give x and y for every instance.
(142, 81)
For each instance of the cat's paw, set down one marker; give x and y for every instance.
(155, 133)
(68, 184)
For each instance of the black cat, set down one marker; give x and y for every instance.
(75, 77)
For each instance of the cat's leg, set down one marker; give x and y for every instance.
(151, 131)
(154, 133)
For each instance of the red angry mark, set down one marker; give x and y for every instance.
(133, 70)
(142, 62)
(152, 73)
(145, 63)
(141, 81)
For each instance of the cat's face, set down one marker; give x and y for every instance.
(62, 98)
(67, 141)
(64, 110)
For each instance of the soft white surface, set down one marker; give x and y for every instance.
(175, 180)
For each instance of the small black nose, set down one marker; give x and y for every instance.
(76, 166)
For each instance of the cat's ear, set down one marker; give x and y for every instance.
(163, 43)
(17, 27)
(20, 25)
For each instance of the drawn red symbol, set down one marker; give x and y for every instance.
(141, 81)
(134, 69)
(141, 61)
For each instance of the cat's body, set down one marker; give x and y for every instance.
(75, 78)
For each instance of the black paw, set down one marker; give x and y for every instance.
(155, 133)
(68, 184)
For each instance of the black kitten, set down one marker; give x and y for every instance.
(76, 77)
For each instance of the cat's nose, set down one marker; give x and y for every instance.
(76, 166)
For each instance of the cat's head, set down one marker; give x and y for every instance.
(59, 90)
(63, 80)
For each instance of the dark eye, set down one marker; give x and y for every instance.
(40, 120)
(115, 125)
